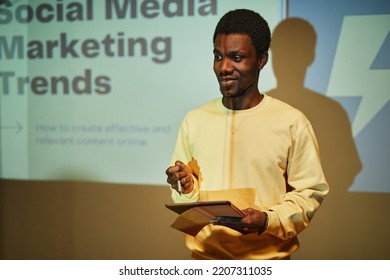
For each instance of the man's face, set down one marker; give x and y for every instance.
(236, 65)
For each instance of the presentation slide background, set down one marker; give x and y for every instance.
(152, 98)
(149, 99)
(352, 66)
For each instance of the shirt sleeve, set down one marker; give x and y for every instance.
(183, 152)
(308, 186)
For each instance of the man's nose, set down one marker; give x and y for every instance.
(225, 66)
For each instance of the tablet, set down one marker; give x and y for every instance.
(213, 208)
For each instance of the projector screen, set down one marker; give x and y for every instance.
(352, 67)
(96, 90)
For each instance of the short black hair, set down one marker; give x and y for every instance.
(243, 21)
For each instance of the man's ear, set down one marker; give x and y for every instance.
(263, 60)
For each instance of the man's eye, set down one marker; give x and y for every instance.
(217, 57)
(237, 58)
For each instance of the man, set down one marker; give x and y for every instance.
(249, 148)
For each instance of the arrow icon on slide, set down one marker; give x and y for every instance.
(18, 127)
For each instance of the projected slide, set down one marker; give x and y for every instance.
(96, 90)
(351, 65)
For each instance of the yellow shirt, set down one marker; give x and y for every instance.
(245, 156)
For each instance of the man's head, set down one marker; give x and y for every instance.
(248, 22)
(241, 43)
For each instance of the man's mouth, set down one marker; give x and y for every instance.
(226, 81)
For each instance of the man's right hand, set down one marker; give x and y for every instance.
(181, 172)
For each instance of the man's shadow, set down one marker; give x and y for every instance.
(337, 228)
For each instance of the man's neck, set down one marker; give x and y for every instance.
(242, 103)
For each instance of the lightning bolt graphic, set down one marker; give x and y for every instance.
(360, 40)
